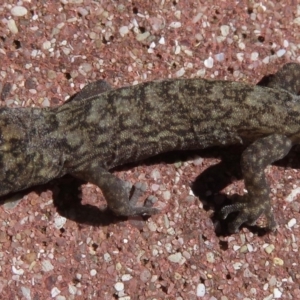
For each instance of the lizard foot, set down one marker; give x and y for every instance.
(248, 212)
(135, 192)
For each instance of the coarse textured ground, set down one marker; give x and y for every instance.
(48, 52)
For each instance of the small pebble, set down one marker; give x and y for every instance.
(280, 52)
(126, 277)
(210, 257)
(242, 46)
(145, 275)
(119, 286)
(278, 261)
(18, 11)
(166, 195)
(47, 266)
(17, 271)
(225, 30)
(72, 289)
(180, 72)
(175, 24)
(107, 257)
(93, 272)
(142, 36)
(26, 292)
(254, 56)
(277, 293)
(175, 258)
(162, 41)
(86, 67)
(152, 226)
(11, 24)
(46, 45)
(155, 174)
(123, 30)
(54, 292)
(59, 221)
(292, 222)
(269, 249)
(237, 265)
(200, 290)
(220, 57)
(82, 11)
(209, 63)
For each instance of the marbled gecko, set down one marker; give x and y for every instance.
(101, 128)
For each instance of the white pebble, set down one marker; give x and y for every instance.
(72, 289)
(240, 56)
(167, 195)
(237, 265)
(93, 272)
(175, 258)
(142, 36)
(86, 67)
(225, 30)
(277, 293)
(26, 292)
(175, 24)
(46, 45)
(297, 21)
(269, 248)
(124, 298)
(18, 11)
(292, 222)
(59, 221)
(200, 290)
(220, 56)
(162, 41)
(152, 226)
(197, 18)
(210, 257)
(291, 197)
(209, 63)
(180, 72)
(47, 266)
(11, 24)
(123, 30)
(254, 56)
(155, 174)
(107, 257)
(54, 292)
(126, 277)
(285, 43)
(250, 248)
(83, 11)
(266, 60)
(280, 52)
(17, 271)
(242, 46)
(119, 286)
(177, 49)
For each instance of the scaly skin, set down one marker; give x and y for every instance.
(102, 128)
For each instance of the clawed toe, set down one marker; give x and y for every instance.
(247, 214)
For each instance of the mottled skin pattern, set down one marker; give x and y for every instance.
(102, 128)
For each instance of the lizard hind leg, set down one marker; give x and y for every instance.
(255, 159)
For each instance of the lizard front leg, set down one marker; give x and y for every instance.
(254, 160)
(115, 191)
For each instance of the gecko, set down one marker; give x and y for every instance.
(102, 127)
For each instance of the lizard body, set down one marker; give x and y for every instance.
(102, 128)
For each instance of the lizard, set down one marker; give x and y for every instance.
(101, 128)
